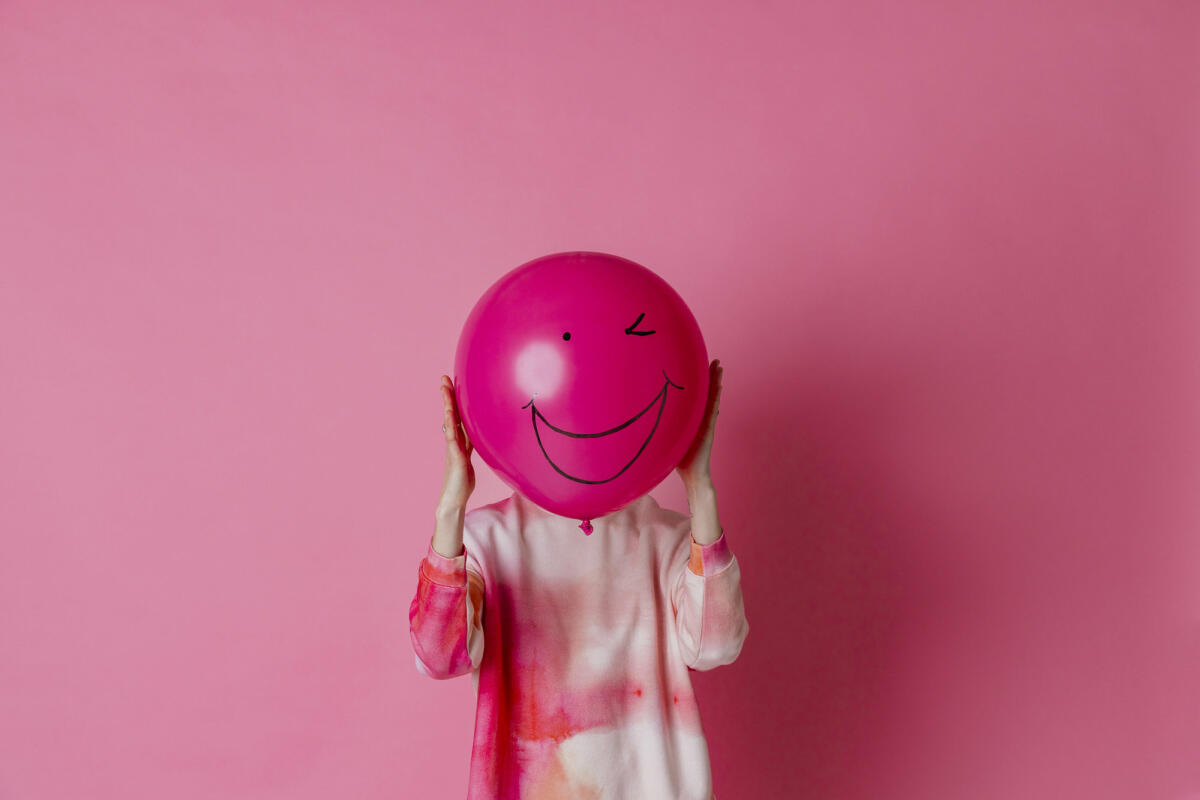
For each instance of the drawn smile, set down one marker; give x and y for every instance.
(660, 400)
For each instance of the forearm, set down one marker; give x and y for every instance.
(702, 500)
(448, 530)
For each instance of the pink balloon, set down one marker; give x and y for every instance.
(582, 380)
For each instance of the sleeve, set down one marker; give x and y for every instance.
(446, 616)
(706, 596)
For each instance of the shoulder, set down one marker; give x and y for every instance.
(672, 529)
(671, 535)
(483, 527)
(488, 513)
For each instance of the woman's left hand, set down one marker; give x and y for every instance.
(694, 468)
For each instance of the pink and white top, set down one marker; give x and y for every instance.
(579, 648)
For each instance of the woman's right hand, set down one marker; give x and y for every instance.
(459, 479)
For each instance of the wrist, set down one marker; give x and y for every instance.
(448, 550)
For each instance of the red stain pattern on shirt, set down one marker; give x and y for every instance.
(437, 620)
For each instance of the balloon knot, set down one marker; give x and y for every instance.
(586, 525)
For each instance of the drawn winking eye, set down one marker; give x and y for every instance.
(630, 329)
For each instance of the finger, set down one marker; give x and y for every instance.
(714, 392)
(712, 417)
(453, 399)
(460, 431)
(448, 404)
(459, 436)
(449, 424)
(717, 373)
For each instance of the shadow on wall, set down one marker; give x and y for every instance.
(803, 712)
(933, 611)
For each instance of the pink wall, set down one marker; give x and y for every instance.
(946, 252)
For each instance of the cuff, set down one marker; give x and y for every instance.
(446, 571)
(709, 559)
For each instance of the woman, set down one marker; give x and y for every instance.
(580, 646)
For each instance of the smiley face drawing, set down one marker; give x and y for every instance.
(581, 378)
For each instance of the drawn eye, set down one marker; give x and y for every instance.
(630, 329)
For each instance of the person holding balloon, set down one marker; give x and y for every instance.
(579, 605)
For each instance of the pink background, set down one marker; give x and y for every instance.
(946, 251)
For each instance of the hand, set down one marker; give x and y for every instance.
(694, 468)
(459, 479)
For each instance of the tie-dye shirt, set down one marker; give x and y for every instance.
(579, 648)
